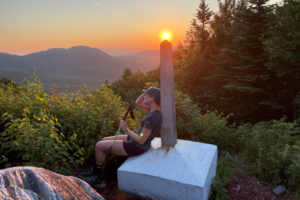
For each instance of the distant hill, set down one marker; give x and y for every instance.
(119, 52)
(74, 66)
(153, 54)
(147, 62)
(150, 56)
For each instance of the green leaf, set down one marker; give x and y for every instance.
(65, 153)
(47, 144)
(7, 165)
(41, 142)
(43, 130)
(7, 124)
(44, 149)
(20, 146)
(4, 160)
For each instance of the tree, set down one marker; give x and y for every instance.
(245, 86)
(130, 85)
(190, 64)
(284, 58)
(221, 23)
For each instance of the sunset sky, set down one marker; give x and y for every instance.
(28, 26)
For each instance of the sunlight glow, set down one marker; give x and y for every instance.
(166, 36)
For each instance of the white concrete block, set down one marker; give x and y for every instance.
(184, 172)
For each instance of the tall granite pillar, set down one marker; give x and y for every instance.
(167, 101)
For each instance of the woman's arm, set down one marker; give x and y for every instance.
(140, 101)
(138, 138)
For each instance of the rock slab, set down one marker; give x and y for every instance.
(163, 173)
(38, 183)
(280, 190)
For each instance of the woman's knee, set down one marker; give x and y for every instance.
(107, 138)
(98, 145)
(119, 137)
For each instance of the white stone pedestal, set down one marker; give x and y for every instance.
(184, 172)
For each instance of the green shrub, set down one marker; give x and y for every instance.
(292, 173)
(208, 128)
(35, 142)
(224, 175)
(76, 122)
(91, 116)
(187, 117)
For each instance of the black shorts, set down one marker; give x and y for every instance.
(131, 149)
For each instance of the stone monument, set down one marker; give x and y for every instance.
(167, 99)
(170, 169)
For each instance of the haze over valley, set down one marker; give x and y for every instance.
(76, 66)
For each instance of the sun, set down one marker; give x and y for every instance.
(166, 36)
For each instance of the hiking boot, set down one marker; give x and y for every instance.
(100, 183)
(86, 175)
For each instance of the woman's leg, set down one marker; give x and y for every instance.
(119, 137)
(102, 148)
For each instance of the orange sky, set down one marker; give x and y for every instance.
(32, 26)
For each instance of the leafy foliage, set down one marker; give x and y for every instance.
(274, 147)
(57, 131)
(35, 142)
(130, 85)
(224, 174)
(91, 116)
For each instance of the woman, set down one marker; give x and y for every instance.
(130, 144)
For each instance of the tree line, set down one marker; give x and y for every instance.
(244, 60)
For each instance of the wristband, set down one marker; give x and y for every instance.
(126, 130)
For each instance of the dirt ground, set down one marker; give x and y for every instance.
(240, 188)
(249, 188)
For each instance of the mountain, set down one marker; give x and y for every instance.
(150, 56)
(119, 52)
(154, 54)
(74, 66)
(147, 62)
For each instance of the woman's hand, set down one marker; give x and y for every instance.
(123, 125)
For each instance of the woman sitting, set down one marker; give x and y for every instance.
(131, 144)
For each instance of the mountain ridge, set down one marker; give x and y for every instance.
(59, 65)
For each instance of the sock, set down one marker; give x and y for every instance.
(97, 169)
(99, 166)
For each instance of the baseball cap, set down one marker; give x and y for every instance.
(155, 92)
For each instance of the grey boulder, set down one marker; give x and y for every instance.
(280, 190)
(39, 183)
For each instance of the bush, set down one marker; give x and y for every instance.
(65, 127)
(274, 147)
(91, 116)
(35, 142)
(224, 175)
(191, 125)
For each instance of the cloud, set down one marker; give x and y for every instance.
(96, 4)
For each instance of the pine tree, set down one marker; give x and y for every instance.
(203, 16)
(245, 86)
(284, 54)
(190, 63)
(221, 23)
